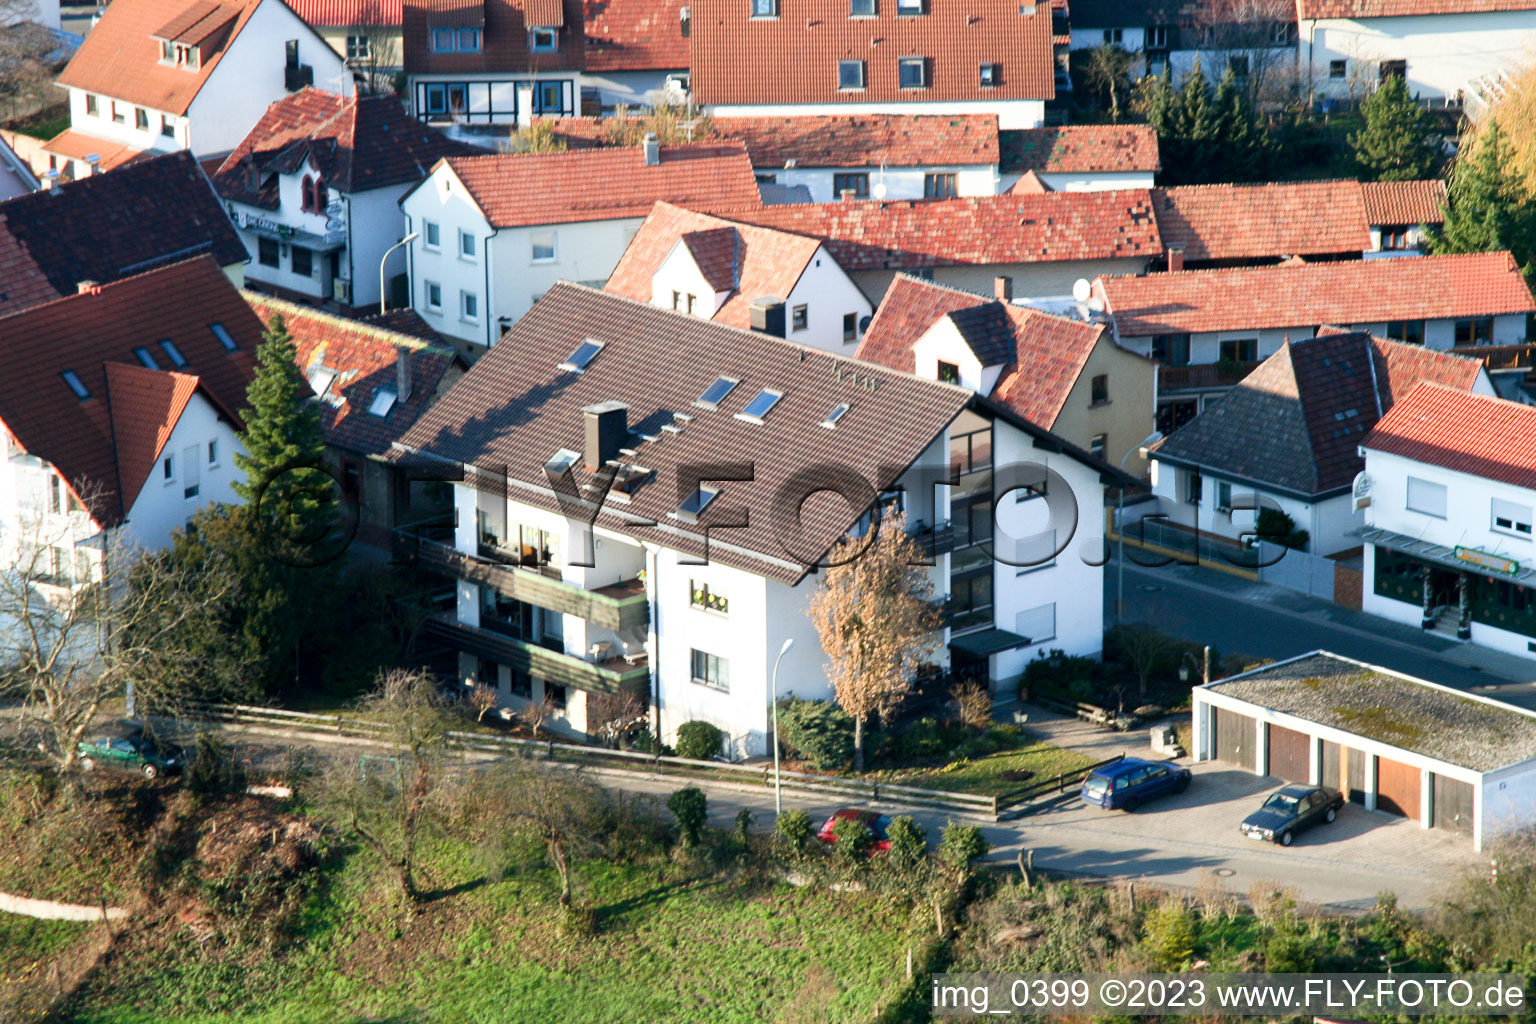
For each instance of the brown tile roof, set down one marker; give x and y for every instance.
(898, 234)
(109, 226)
(1312, 9)
(1392, 203)
(744, 259)
(119, 57)
(339, 13)
(355, 143)
(1344, 292)
(89, 332)
(1296, 422)
(74, 145)
(364, 359)
(1079, 149)
(516, 408)
(503, 44)
(865, 140)
(731, 51)
(604, 184)
(1223, 222)
(635, 35)
(1469, 433)
(406, 321)
(1043, 354)
(910, 306)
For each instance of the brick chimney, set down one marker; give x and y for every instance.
(1175, 256)
(88, 287)
(605, 427)
(402, 374)
(1002, 288)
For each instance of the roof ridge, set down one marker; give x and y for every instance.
(1264, 184)
(397, 338)
(98, 288)
(1304, 266)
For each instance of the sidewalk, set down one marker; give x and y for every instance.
(1320, 612)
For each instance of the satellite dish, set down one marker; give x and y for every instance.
(878, 191)
(1081, 289)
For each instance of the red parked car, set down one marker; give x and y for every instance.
(875, 822)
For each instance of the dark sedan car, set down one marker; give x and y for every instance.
(1131, 781)
(1291, 810)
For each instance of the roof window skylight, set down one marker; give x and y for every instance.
(716, 392)
(223, 336)
(759, 407)
(320, 379)
(144, 357)
(836, 414)
(172, 352)
(584, 354)
(383, 401)
(695, 504)
(561, 461)
(75, 384)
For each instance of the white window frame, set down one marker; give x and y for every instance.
(431, 236)
(1020, 618)
(1425, 502)
(466, 299)
(841, 65)
(213, 451)
(1514, 513)
(168, 469)
(922, 68)
(473, 255)
(436, 307)
(721, 665)
(553, 247)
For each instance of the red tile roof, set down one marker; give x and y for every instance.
(74, 145)
(119, 57)
(865, 140)
(1044, 354)
(88, 333)
(1311, 9)
(504, 41)
(1345, 292)
(1468, 433)
(144, 406)
(635, 35)
(1392, 203)
(365, 359)
(910, 306)
(1080, 149)
(356, 143)
(732, 52)
(766, 261)
(109, 226)
(898, 234)
(604, 184)
(1222, 222)
(346, 13)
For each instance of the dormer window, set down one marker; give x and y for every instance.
(167, 52)
(543, 40)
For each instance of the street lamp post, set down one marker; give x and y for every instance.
(407, 240)
(1152, 438)
(778, 794)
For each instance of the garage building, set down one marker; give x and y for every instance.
(1391, 742)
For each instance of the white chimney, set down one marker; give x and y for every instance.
(651, 146)
(525, 106)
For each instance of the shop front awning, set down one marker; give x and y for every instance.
(987, 642)
(1457, 559)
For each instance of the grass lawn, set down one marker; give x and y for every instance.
(984, 775)
(671, 946)
(26, 942)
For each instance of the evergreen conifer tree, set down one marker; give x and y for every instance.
(1397, 142)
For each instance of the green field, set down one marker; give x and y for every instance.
(984, 775)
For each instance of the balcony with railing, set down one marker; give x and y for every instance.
(1499, 357)
(618, 606)
(933, 538)
(1202, 376)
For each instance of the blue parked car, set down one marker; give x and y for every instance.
(1130, 782)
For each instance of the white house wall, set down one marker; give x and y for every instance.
(1030, 280)
(374, 223)
(101, 126)
(900, 182)
(1445, 52)
(1205, 346)
(1010, 113)
(250, 76)
(1089, 181)
(1507, 800)
(162, 505)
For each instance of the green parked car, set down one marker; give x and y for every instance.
(136, 753)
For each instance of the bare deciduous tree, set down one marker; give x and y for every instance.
(26, 51)
(375, 58)
(1108, 70)
(481, 699)
(876, 617)
(973, 703)
(565, 810)
(1256, 34)
(611, 715)
(82, 616)
(537, 713)
(390, 802)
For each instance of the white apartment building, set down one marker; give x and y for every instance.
(651, 592)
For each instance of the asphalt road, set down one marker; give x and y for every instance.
(1268, 622)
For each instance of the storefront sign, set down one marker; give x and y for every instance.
(1482, 559)
(1362, 491)
(263, 224)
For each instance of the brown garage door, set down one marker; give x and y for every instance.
(1290, 754)
(1397, 787)
(1235, 737)
(1453, 804)
(1344, 770)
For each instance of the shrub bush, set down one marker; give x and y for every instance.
(818, 731)
(699, 740)
(1057, 671)
(977, 746)
(853, 839)
(691, 809)
(213, 770)
(1005, 736)
(1171, 936)
(743, 828)
(794, 830)
(909, 843)
(961, 844)
(923, 740)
